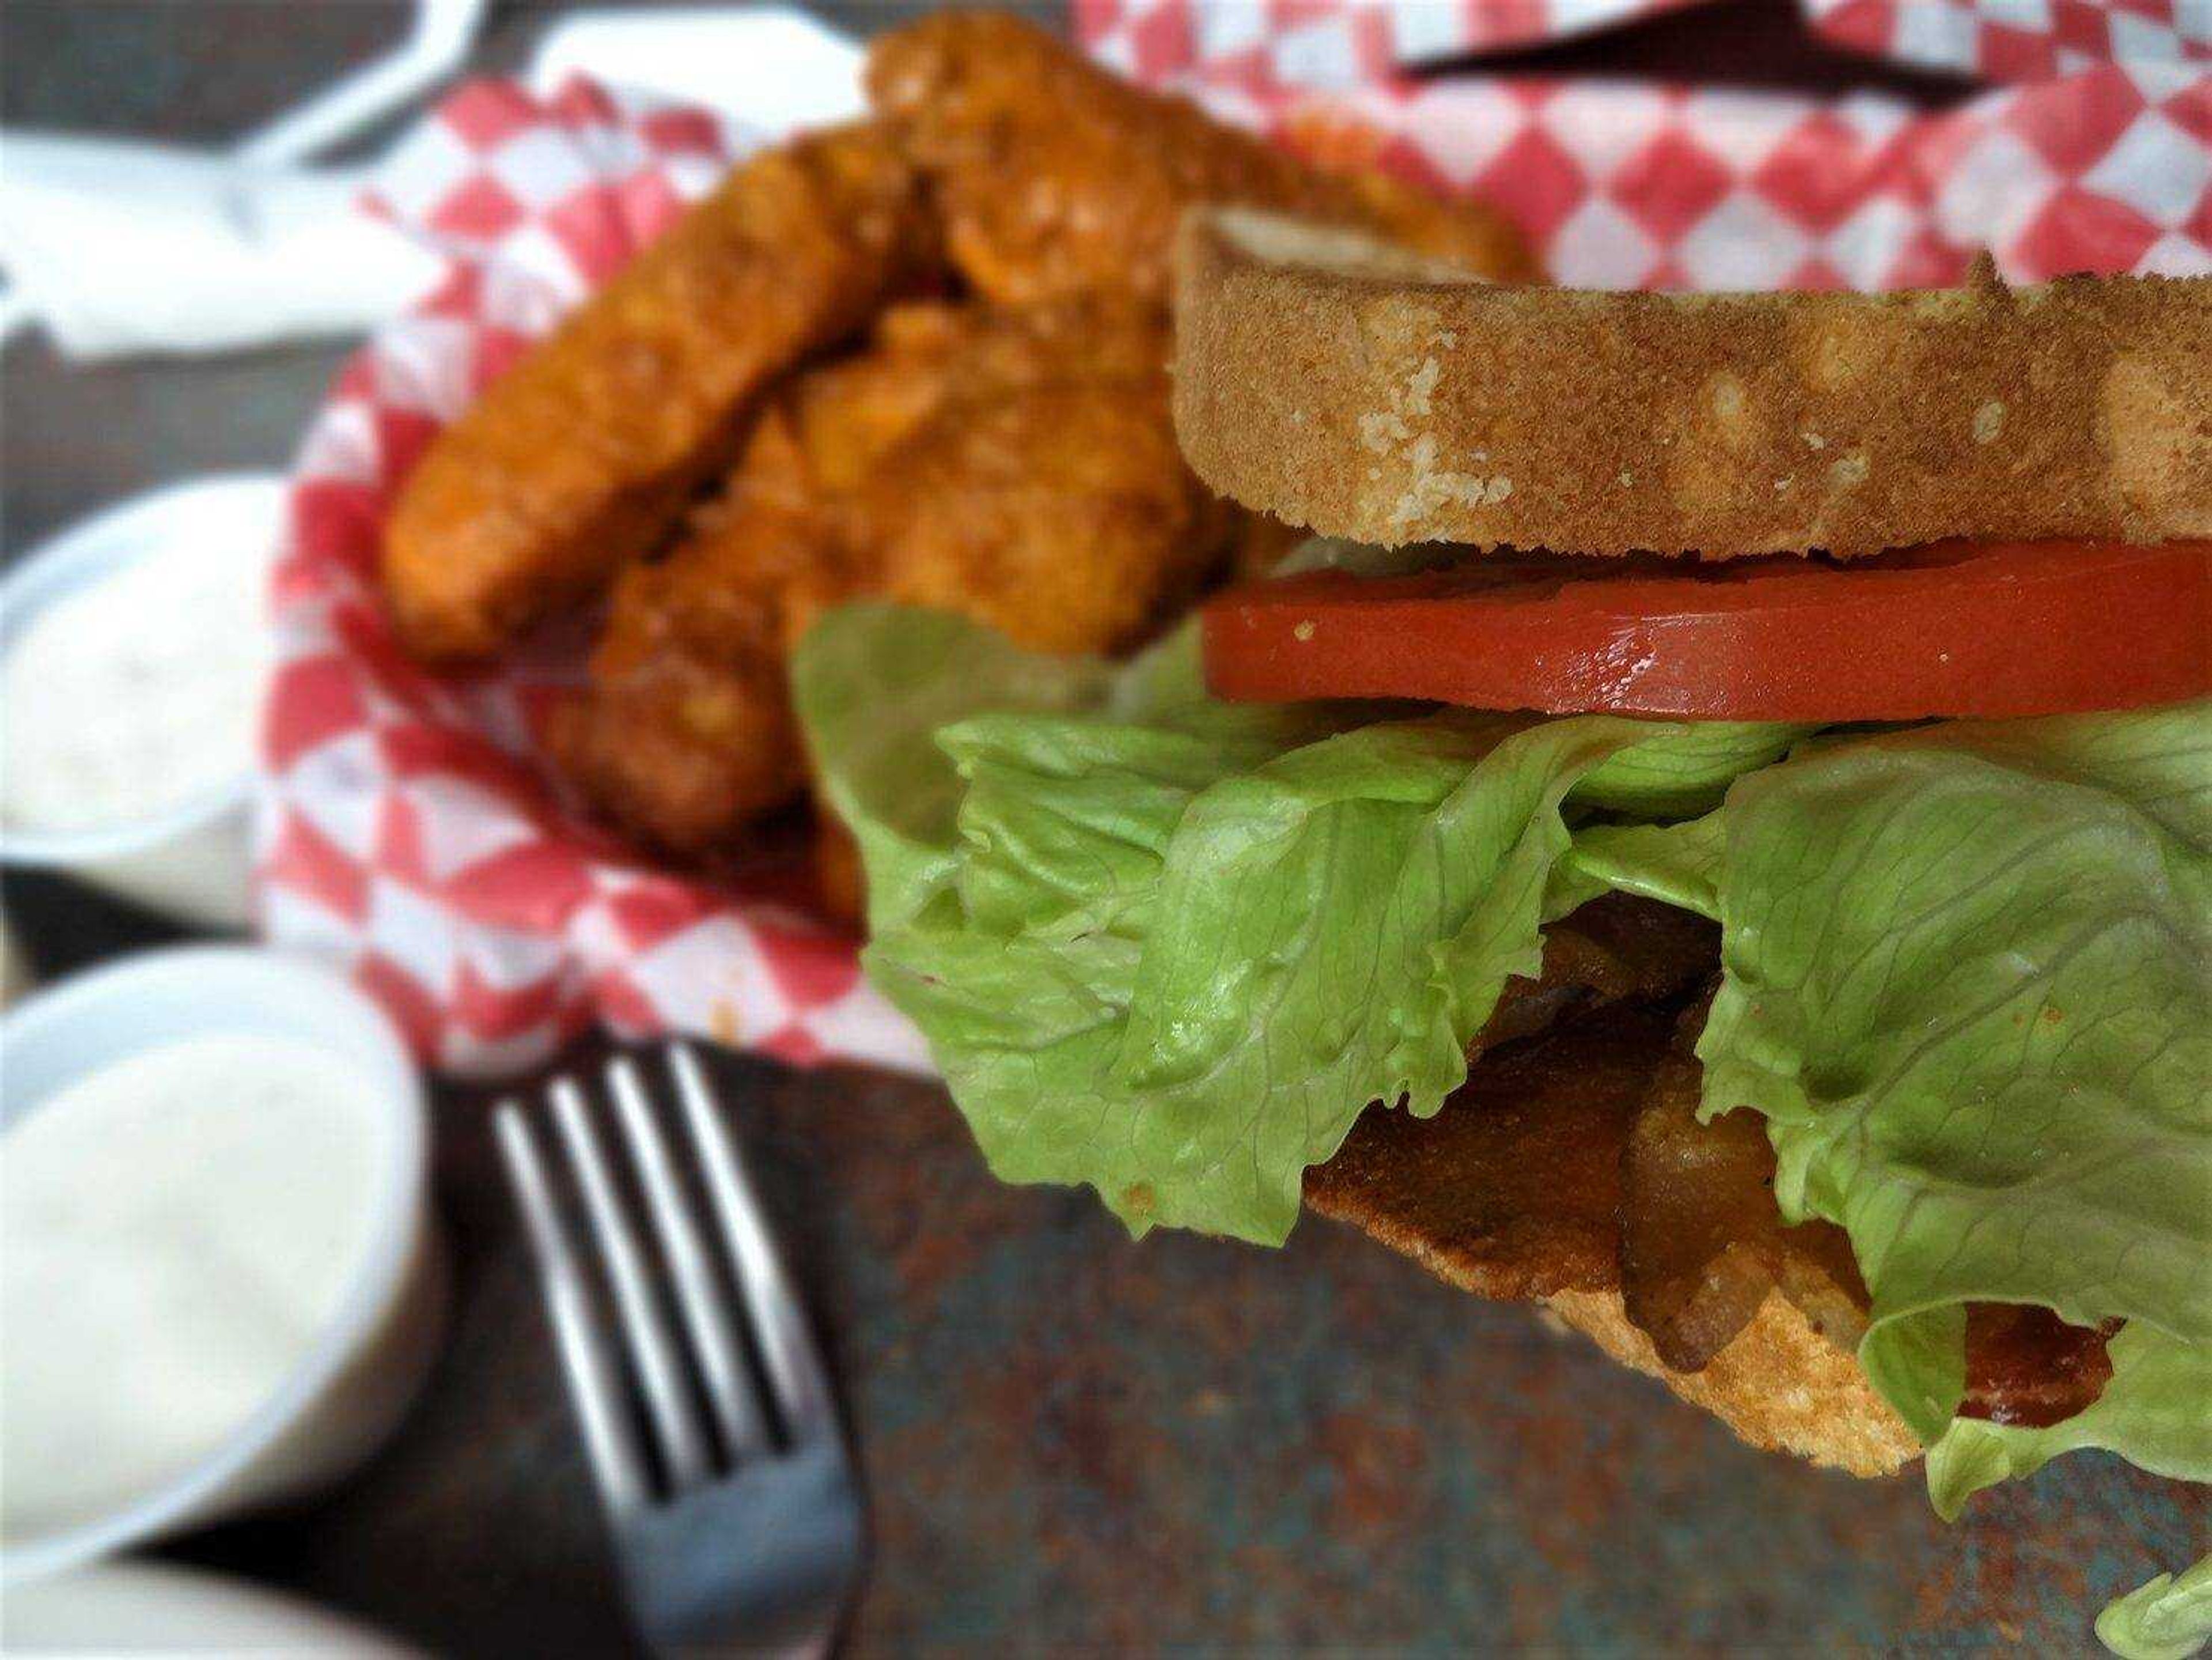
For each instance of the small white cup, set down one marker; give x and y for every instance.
(349, 1390)
(194, 861)
(115, 1610)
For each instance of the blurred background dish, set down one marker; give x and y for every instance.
(223, 1284)
(135, 1608)
(14, 976)
(134, 651)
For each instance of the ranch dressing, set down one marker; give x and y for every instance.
(131, 696)
(177, 1231)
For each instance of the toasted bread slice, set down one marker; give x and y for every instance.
(1780, 1385)
(1341, 388)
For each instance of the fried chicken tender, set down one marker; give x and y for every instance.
(579, 459)
(1017, 465)
(687, 728)
(1009, 455)
(1053, 176)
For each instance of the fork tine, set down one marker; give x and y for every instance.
(651, 1346)
(787, 1353)
(714, 1338)
(595, 1374)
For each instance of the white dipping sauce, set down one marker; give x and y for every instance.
(131, 696)
(176, 1231)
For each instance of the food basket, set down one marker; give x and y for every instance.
(407, 827)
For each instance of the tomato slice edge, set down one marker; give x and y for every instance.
(1956, 629)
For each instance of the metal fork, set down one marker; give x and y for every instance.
(736, 1513)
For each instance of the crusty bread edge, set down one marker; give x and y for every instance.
(1393, 407)
(1779, 1385)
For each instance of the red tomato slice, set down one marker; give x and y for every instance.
(1951, 629)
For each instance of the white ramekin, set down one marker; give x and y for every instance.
(194, 861)
(350, 1390)
(116, 1609)
(14, 972)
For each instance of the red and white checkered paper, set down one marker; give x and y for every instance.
(407, 829)
(1266, 46)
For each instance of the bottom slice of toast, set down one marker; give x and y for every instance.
(1779, 1385)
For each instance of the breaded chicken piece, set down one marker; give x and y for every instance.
(687, 729)
(1055, 177)
(579, 459)
(1016, 465)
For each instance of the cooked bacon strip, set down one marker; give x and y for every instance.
(2026, 1367)
(1573, 1160)
(1513, 1189)
(1702, 1243)
(1616, 947)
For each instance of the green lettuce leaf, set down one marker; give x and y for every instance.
(1172, 948)
(1968, 979)
(2152, 1412)
(1678, 769)
(888, 783)
(1689, 769)
(1176, 967)
(1678, 865)
(2163, 1619)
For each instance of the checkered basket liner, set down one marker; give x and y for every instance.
(406, 829)
(1263, 46)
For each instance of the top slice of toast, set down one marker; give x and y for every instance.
(1342, 387)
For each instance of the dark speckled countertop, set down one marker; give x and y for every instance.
(1071, 1442)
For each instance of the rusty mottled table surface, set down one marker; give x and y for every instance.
(1071, 1441)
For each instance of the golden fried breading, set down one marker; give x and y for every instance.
(579, 459)
(1016, 465)
(687, 728)
(1059, 514)
(1055, 177)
